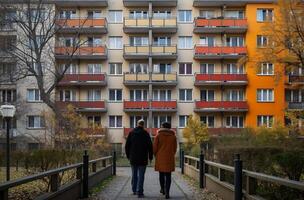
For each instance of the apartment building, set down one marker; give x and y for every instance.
(164, 60)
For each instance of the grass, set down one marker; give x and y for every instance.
(100, 186)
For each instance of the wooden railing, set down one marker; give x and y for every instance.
(212, 176)
(74, 189)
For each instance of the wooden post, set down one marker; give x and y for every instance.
(251, 185)
(79, 173)
(114, 163)
(104, 163)
(221, 174)
(202, 171)
(182, 162)
(85, 181)
(238, 171)
(55, 182)
(4, 194)
(94, 167)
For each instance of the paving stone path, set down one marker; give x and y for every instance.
(120, 187)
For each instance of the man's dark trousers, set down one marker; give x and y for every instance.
(138, 178)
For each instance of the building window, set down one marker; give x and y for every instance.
(36, 68)
(94, 95)
(69, 69)
(162, 14)
(94, 68)
(266, 69)
(115, 16)
(185, 94)
(115, 121)
(264, 15)
(207, 14)
(13, 123)
(163, 68)
(208, 121)
(138, 68)
(234, 14)
(94, 14)
(7, 68)
(162, 95)
(115, 42)
(262, 41)
(207, 95)
(185, 42)
(265, 120)
(115, 68)
(115, 94)
(138, 14)
(207, 41)
(134, 119)
(36, 121)
(138, 95)
(294, 95)
(158, 120)
(234, 95)
(8, 96)
(185, 16)
(67, 95)
(183, 120)
(162, 41)
(265, 95)
(233, 68)
(234, 121)
(33, 95)
(185, 68)
(207, 68)
(139, 41)
(235, 41)
(94, 121)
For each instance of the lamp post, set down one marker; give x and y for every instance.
(7, 112)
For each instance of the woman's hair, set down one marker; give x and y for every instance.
(166, 125)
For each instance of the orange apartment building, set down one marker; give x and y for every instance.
(164, 60)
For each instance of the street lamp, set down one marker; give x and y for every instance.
(7, 112)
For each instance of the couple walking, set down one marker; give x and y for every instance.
(139, 149)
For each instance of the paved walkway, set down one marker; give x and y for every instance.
(120, 187)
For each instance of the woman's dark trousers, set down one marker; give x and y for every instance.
(165, 181)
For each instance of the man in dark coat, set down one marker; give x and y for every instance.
(138, 150)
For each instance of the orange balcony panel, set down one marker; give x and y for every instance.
(219, 50)
(81, 23)
(241, 105)
(82, 78)
(220, 77)
(81, 51)
(136, 105)
(221, 22)
(164, 105)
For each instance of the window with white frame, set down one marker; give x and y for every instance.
(207, 14)
(94, 68)
(115, 16)
(94, 14)
(139, 41)
(115, 68)
(162, 41)
(233, 68)
(94, 95)
(135, 118)
(67, 95)
(234, 14)
(115, 42)
(185, 42)
(67, 41)
(266, 69)
(185, 68)
(265, 15)
(138, 68)
(235, 41)
(294, 95)
(36, 67)
(94, 41)
(185, 16)
(94, 121)
(163, 14)
(208, 120)
(8, 95)
(7, 68)
(159, 119)
(207, 68)
(69, 69)
(163, 68)
(234, 121)
(262, 41)
(207, 95)
(208, 41)
(67, 14)
(162, 95)
(185, 94)
(138, 14)
(183, 120)
(38, 15)
(115, 94)
(138, 95)
(265, 95)
(265, 120)
(35, 121)
(234, 95)
(33, 95)
(115, 121)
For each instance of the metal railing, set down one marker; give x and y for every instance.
(150, 77)
(219, 50)
(200, 22)
(78, 188)
(82, 23)
(200, 170)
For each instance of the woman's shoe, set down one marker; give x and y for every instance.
(162, 191)
(167, 196)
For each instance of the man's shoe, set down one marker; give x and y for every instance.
(162, 191)
(134, 193)
(141, 195)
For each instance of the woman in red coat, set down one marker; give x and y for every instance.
(164, 148)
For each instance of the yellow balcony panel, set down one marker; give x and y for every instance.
(164, 25)
(166, 52)
(143, 77)
(136, 52)
(136, 25)
(159, 78)
(136, 79)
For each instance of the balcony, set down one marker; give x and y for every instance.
(220, 25)
(82, 25)
(81, 53)
(220, 79)
(84, 106)
(205, 52)
(95, 132)
(225, 131)
(235, 3)
(139, 3)
(136, 52)
(221, 106)
(295, 105)
(152, 131)
(296, 79)
(7, 27)
(143, 25)
(81, 3)
(164, 52)
(136, 106)
(154, 78)
(164, 106)
(83, 79)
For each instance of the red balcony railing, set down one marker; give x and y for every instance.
(164, 105)
(224, 131)
(136, 105)
(95, 132)
(81, 51)
(203, 50)
(70, 78)
(221, 23)
(153, 131)
(82, 23)
(220, 77)
(296, 79)
(237, 105)
(82, 104)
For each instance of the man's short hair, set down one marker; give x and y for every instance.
(141, 122)
(166, 125)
